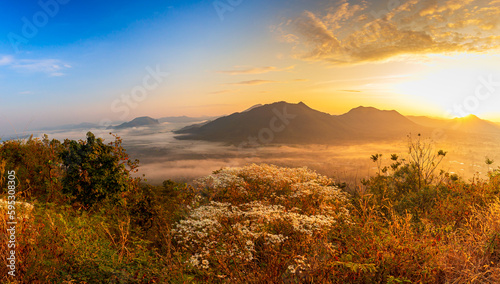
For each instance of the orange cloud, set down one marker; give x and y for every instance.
(350, 34)
(223, 92)
(254, 70)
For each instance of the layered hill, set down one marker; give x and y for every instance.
(369, 122)
(183, 119)
(138, 122)
(283, 122)
(468, 124)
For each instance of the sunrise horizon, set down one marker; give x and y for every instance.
(238, 141)
(188, 58)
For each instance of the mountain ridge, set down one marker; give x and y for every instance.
(282, 122)
(138, 122)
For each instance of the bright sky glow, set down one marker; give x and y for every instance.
(70, 61)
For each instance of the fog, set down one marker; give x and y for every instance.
(163, 157)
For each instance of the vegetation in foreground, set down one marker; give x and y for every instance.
(93, 223)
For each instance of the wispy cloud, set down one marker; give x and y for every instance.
(51, 67)
(254, 70)
(223, 92)
(5, 60)
(353, 33)
(254, 82)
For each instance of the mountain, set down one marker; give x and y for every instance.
(137, 122)
(287, 123)
(252, 107)
(369, 122)
(474, 124)
(468, 124)
(184, 119)
(428, 121)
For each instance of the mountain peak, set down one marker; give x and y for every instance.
(138, 121)
(364, 109)
(470, 117)
(252, 107)
(297, 123)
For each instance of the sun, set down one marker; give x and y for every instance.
(456, 87)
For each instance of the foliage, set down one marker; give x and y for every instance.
(37, 166)
(410, 223)
(95, 171)
(409, 183)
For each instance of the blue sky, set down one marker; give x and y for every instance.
(83, 59)
(87, 53)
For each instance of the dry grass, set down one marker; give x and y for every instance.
(265, 224)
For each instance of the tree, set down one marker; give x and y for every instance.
(424, 161)
(96, 171)
(412, 174)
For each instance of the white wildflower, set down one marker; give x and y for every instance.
(230, 230)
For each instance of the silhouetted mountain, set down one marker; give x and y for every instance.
(184, 119)
(469, 124)
(252, 107)
(428, 121)
(370, 122)
(474, 124)
(136, 122)
(287, 123)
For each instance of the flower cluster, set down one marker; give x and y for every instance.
(300, 265)
(291, 202)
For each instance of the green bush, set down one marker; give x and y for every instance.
(95, 171)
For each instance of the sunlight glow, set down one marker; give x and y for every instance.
(452, 84)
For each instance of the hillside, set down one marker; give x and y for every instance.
(369, 122)
(301, 125)
(183, 119)
(468, 124)
(137, 122)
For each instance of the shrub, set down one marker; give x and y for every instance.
(411, 183)
(37, 167)
(95, 171)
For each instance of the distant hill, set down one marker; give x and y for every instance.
(83, 125)
(474, 124)
(298, 123)
(184, 119)
(369, 122)
(468, 124)
(137, 122)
